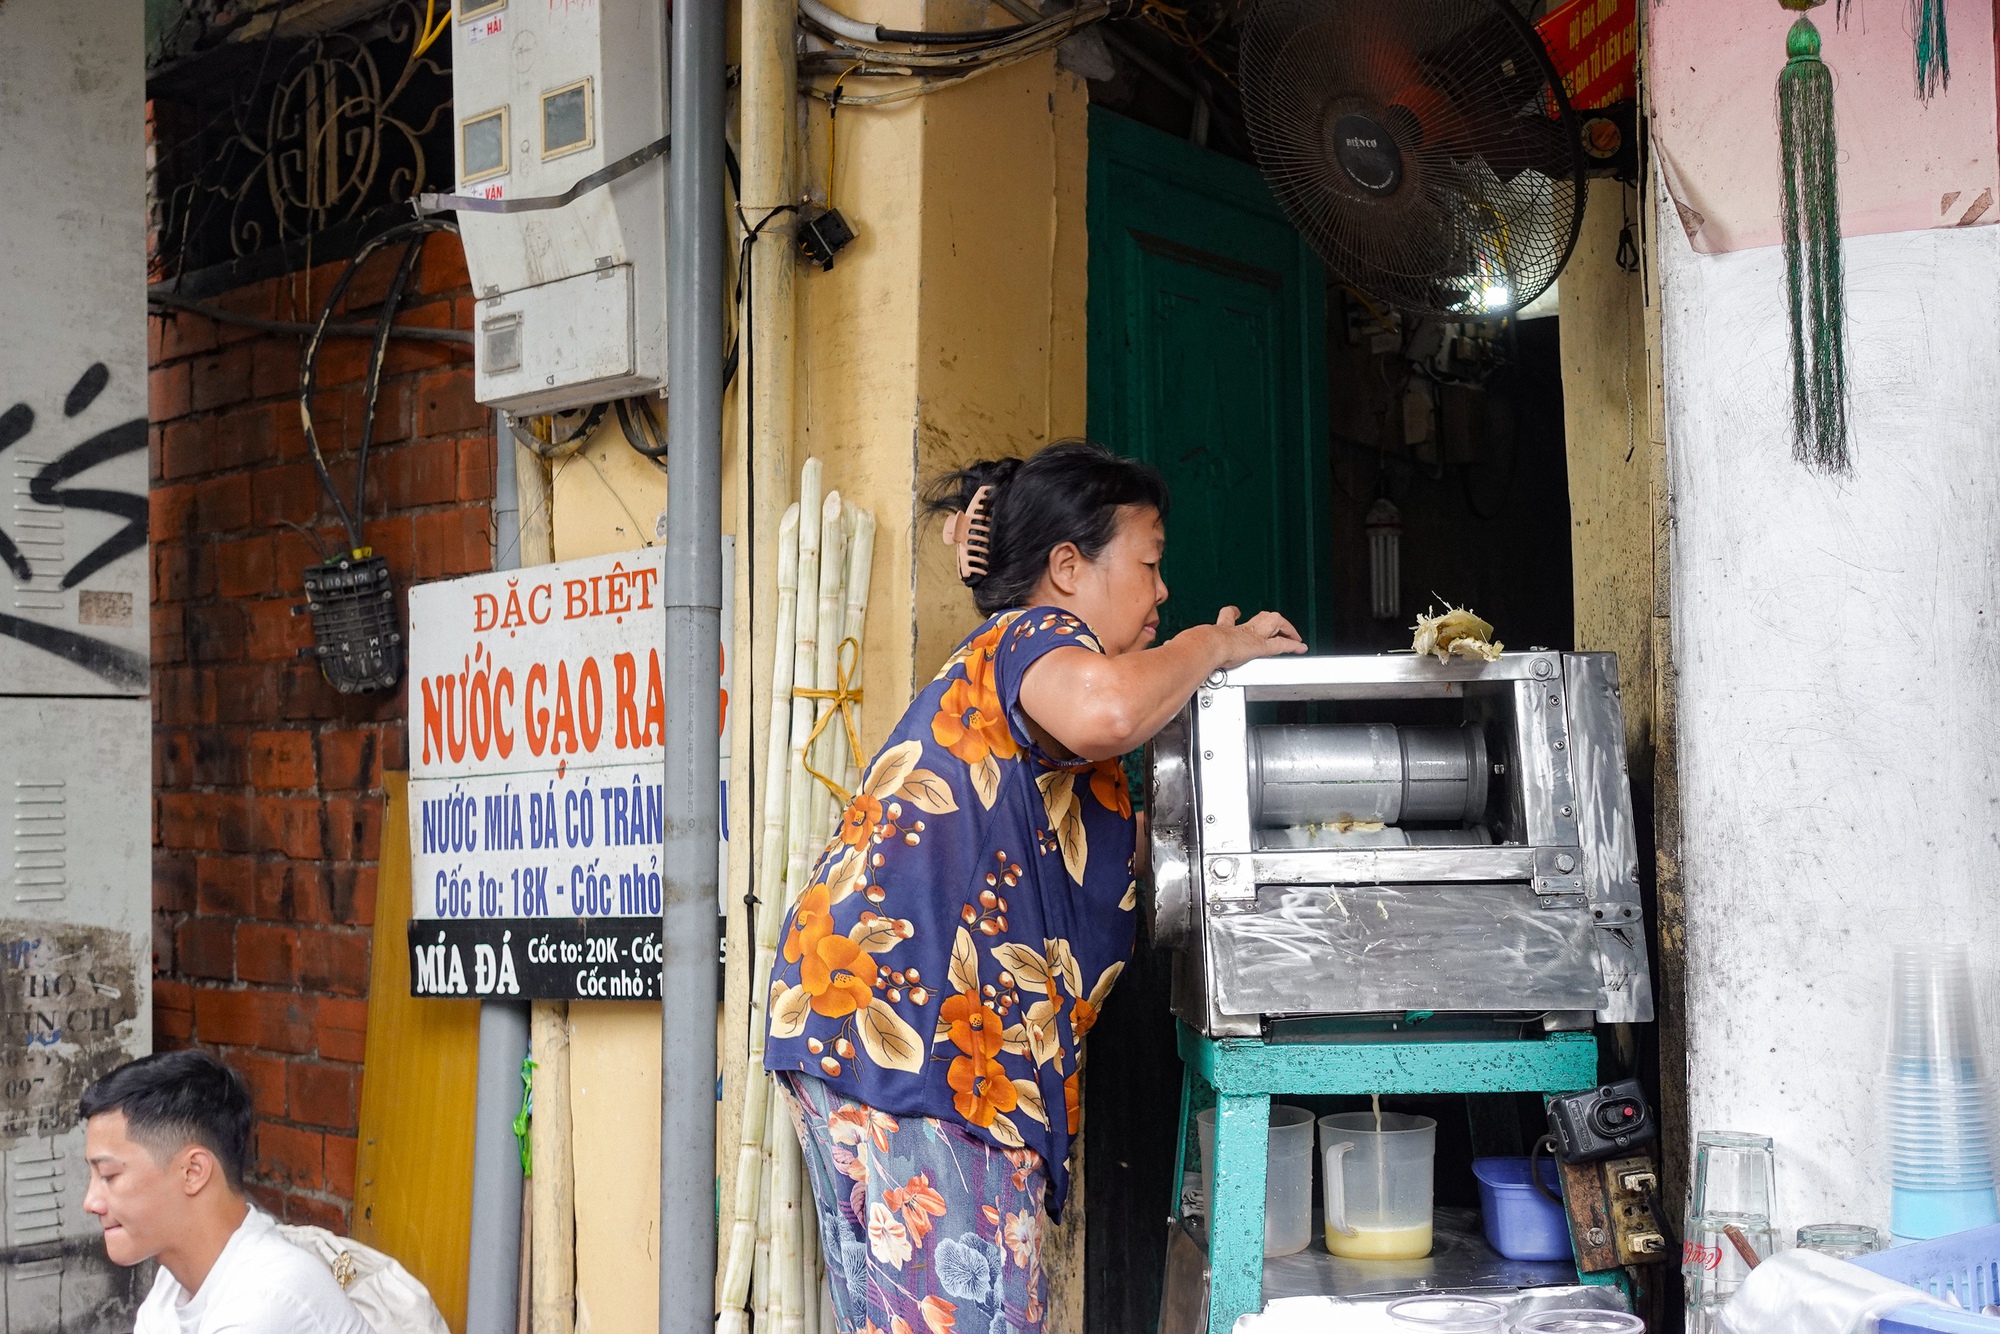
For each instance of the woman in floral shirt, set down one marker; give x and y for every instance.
(956, 941)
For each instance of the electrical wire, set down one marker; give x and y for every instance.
(978, 53)
(309, 359)
(556, 447)
(920, 86)
(833, 129)
(643, 431)
(165, 303)
(413, 250)
(429, 34)
(834, 23)
(1028, 37)
(1546, 1144)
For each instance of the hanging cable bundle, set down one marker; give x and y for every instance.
(1933, 55)
(350, 594)
(1810, 219)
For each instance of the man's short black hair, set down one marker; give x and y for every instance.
(176, 1098)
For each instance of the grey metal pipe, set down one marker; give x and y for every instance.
(692, 596)
(493, 1279)
(493, 1274)
(506, 498)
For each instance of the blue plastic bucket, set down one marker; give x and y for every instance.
(1521, 1222)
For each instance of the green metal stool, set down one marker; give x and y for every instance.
(1246, 1072)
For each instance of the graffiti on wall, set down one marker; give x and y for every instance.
(49, 486)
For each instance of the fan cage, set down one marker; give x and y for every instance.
(1488, 201)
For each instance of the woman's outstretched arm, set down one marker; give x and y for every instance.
(1099, 706)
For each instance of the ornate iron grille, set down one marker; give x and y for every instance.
(262, 142)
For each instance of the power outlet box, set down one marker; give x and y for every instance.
(1611, 1215)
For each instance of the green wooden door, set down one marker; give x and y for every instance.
(1207, 359)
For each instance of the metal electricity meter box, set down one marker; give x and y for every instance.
(1340, 838)
(570, 302)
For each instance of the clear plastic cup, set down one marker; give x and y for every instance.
(1287, 1177)
(1580, 1320)
(1447, 1315)
(1933, 1018)
(1939, 1099)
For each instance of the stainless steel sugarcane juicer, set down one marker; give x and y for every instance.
(1449, 837)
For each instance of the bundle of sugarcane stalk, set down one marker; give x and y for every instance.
(771, 1267)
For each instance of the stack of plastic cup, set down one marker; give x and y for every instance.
(1940, 1127)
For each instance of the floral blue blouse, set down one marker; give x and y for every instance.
(959, 936)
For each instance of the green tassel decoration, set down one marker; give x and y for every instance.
(1933, 55)
(1811, 223)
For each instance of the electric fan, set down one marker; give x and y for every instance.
(1425, 148)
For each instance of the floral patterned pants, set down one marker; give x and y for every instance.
(924, 1228)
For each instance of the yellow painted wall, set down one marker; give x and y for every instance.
(952, 330)
(608, 498)
(1608, 432)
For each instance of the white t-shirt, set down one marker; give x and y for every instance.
(261, 1284)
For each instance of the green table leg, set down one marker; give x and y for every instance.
(1181, 1138)
(1236, 1213)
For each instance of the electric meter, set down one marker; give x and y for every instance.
(571, 301)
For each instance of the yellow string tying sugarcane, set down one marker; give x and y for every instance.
(844, 699)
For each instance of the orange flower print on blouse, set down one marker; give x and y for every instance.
(940, 957)
(971, 722)
(982, 1088)
(975, 1029)
(839, 976)
(863, 814)
(811, 923)
(1107, 784)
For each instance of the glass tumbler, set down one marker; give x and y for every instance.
(1843, 1241)
(1735, 1185)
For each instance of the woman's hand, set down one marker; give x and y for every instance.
(1265, 635)
(1098, 706)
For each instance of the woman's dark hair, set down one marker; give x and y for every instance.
(1071, 491)
(177, 1098)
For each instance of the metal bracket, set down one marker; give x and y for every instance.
(1559, 872)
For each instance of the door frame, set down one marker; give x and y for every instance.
(1118, 144)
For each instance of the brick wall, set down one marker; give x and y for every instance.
(267, 781)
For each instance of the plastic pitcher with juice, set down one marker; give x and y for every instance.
(1377, 1168)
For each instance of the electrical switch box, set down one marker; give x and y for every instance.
(570, 302)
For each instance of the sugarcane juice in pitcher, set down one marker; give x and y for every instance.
(1377, 1174)
(1381, 1243)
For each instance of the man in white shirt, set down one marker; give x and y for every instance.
(167, 1138)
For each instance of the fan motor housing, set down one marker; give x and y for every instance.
(1367, 152)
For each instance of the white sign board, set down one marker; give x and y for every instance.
(537, 722)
